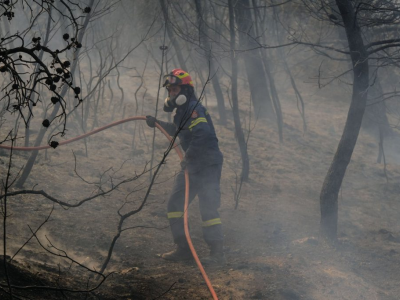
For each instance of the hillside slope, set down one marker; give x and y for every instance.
(271, 239)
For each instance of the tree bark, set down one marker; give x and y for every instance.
(172, 38)
(235, 102)
(32, 94)
(337, 170)
(39, 138)
(203, 33)
(375, 120)
(266, 62)
(282, 56)
(256, 76)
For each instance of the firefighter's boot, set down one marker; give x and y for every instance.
(181, 253)
(217, 256)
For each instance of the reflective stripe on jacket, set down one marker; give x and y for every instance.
(197, 135)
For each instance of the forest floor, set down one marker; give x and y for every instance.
(271, 239)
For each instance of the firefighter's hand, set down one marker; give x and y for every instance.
(183, 164)
(151, 121)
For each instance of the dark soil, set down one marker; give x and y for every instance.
(272, 240)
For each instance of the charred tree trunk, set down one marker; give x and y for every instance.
(283, 59)
(203, 33)
(32, 94)
(235, 102)
(171, 36)
(256, 76)
(266, 62)
(42, 132)
(375, 120)
(337, 170)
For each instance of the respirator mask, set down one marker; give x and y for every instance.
(185, 93)
(171, 103)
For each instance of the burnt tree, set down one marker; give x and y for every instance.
(204, 42)
(256, 76)
(235, 101)
(337, 169)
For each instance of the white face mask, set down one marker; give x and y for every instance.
(172, 103)
(180, 100)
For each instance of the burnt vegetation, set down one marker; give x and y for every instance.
(304, 95)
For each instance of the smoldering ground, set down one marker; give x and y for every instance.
(272, 244)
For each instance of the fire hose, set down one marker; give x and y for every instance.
(178, 151)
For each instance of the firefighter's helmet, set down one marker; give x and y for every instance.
(177, 77)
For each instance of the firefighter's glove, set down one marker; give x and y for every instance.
(183, 164)
(151, 121)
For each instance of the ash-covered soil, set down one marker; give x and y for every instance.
(272, 238)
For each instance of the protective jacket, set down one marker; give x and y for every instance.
(204, 161)
(196, 134)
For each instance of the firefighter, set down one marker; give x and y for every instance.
(203, 160)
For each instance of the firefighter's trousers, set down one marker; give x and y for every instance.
(206, 185)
